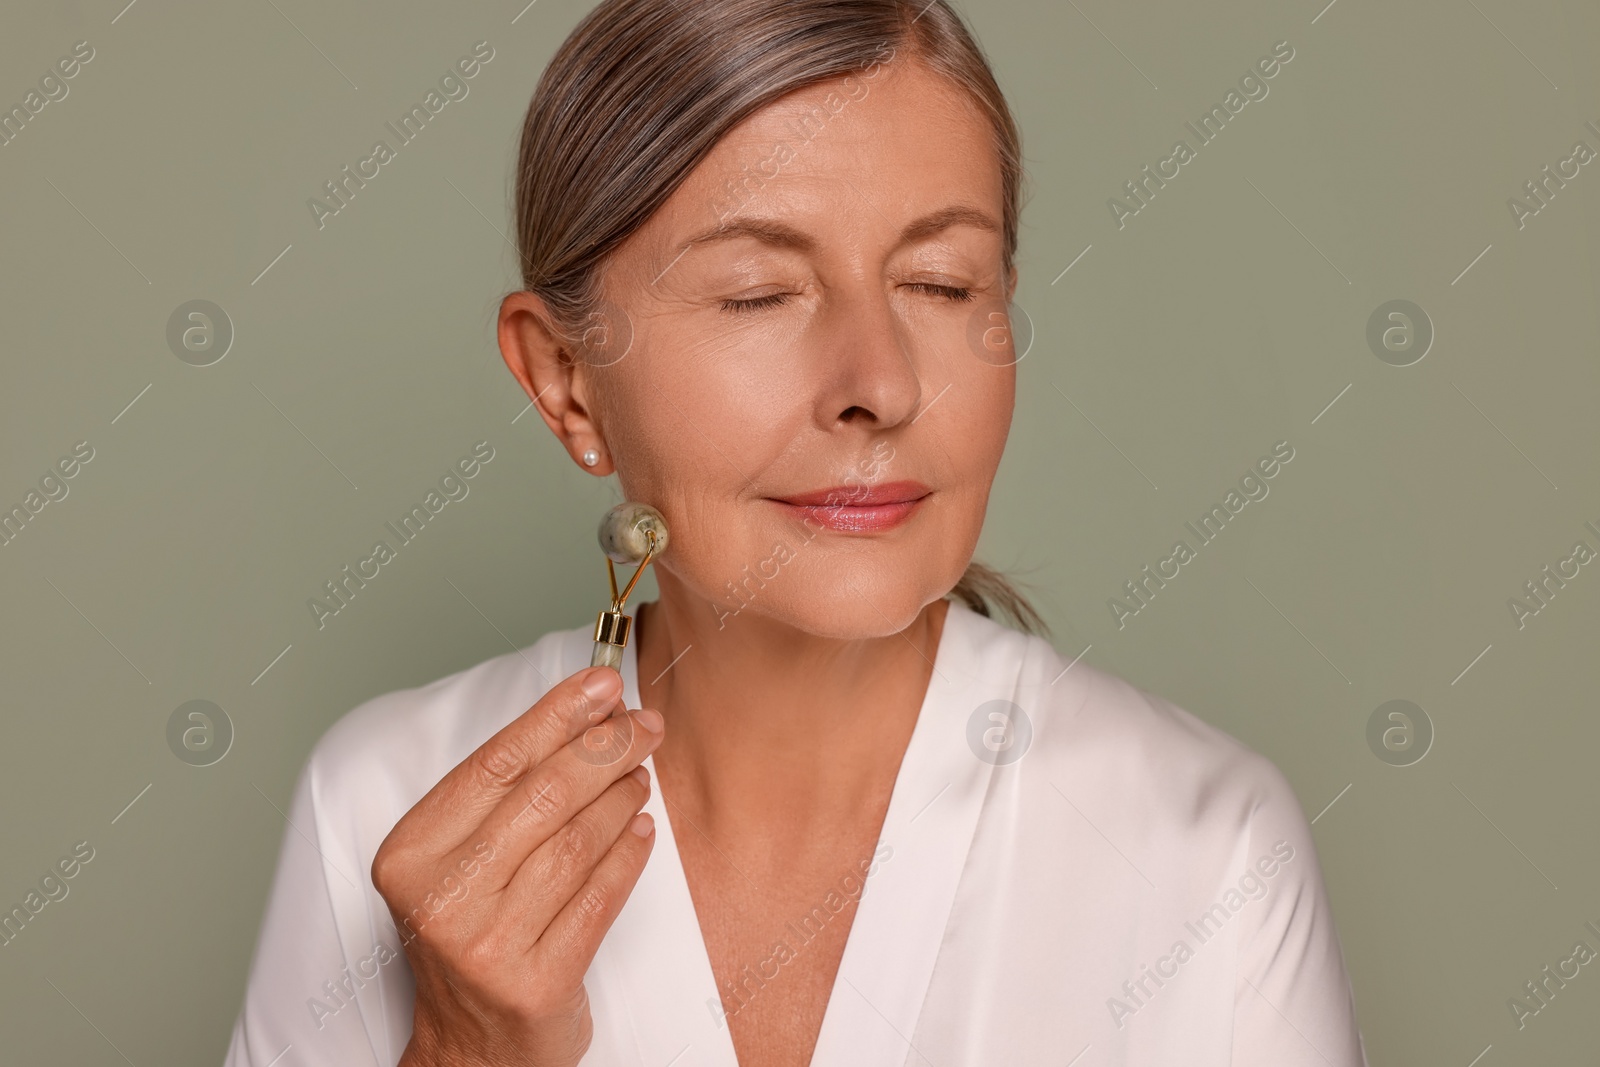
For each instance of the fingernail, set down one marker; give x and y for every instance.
(642, 824)
(601, 684)
(650, 719)
(640, 775)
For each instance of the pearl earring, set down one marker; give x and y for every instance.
(591, 457)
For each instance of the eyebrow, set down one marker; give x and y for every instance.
(780, 234)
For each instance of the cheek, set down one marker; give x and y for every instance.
(701, 424)
(964, 439)
(982, 429)
(980, 422)
(693, 436)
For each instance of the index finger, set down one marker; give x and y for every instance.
(459, 801)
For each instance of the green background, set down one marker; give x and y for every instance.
(1225, 317)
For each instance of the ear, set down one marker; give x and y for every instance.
(542, 360)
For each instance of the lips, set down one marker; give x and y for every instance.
(857, 508)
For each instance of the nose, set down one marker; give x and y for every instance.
(869, 375)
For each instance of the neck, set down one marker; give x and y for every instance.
(766, 722)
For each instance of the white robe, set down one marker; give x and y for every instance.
(1127, 886)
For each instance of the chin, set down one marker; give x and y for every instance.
(851, 603)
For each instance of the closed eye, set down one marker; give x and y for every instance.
(953, 293)
(758, 304)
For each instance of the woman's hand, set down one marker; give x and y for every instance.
(506, 875)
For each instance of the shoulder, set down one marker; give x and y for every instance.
(390, 750)
(1095, 728)
(1151, 739)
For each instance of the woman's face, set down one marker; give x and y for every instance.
(844, 331)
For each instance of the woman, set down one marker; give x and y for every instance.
(767, 249)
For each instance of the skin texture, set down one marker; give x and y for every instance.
(788, 707)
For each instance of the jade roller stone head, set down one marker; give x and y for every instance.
(625, 532)
(629, 533)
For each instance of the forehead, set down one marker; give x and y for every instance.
(898, 144)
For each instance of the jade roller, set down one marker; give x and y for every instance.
(629, 533)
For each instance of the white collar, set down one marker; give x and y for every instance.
(655, 956)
